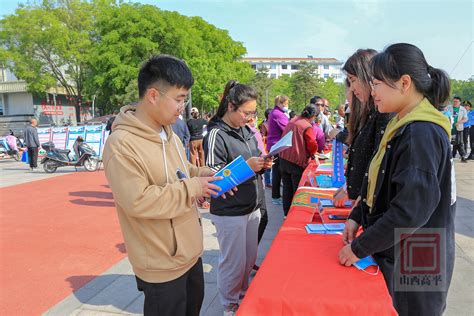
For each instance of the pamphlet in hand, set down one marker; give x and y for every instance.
(235, 173)
(284, 143)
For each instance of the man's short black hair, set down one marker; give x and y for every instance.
(315, 99)
(457, 98)
(165, 71)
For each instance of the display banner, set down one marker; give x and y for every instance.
(74, 133)
(338, 179)
(94, 137)
(59, 137)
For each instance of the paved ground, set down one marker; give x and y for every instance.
(114, 291)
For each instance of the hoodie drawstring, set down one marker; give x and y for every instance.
(164, 158)
(181, 158)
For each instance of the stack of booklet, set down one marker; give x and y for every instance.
(329, 229)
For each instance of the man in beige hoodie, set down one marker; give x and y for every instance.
(155, 190)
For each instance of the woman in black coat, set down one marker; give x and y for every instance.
(408, 206)
(366, 124)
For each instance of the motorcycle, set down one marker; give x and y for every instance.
(6, 148)
(56, 158)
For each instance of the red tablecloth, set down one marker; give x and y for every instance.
(301, 274)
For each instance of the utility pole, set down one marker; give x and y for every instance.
(55, 108)
(93, 106)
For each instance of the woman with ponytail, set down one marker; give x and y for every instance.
(407, 192)
(236, 217)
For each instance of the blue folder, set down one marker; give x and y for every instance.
(324, 181)
(333, 228)
(235, 173)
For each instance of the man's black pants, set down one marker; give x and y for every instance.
(33, 157)
(276, 178)
(458, 144)
(182, 296)
(291, 175)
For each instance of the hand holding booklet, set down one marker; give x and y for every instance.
(233, 174)
(284, 143)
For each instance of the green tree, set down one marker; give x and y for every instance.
(333, 92)
(304, 85)
(47, 45)
(130, 33)
(263, 85)
(463, 89)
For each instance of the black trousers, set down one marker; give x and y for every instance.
(182, 296)
(465, 138)
(33, 157)
(471, 139)
(458, 144)
(263, 208)
(291, 176)
(276, 179)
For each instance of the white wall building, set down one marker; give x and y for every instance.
(326, 67)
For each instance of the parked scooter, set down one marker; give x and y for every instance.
(10, 147)
(56, 158)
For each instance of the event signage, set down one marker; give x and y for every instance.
(59, 137)
(44, 134)
(338, 179)
(74, 133)
(94, 137)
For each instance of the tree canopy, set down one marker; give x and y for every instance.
(97, 48)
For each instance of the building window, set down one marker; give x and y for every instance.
(326, 67)
(295, 67)
(2, 111)
(273, 66)
(273, 76)
(254, 67)
(326, 76)
(284, 66)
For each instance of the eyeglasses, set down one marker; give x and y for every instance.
(319, 104)
(179, 104)
(247, 114)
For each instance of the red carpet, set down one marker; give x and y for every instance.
(55, 236)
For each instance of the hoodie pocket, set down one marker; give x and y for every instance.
(189, 240)
(175, 243)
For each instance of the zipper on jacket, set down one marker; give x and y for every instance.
(250, 151)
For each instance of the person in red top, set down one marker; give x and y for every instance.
(296, 158)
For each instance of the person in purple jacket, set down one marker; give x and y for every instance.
(277, 121)
(320, 137)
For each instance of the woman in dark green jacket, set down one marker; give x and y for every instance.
(408, 204)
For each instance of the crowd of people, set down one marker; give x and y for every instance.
(397, 129)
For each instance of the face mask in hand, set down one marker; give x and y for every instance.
(366, 262)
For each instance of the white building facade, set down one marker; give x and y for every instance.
(325, 67)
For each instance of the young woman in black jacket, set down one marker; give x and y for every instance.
(366, 124)
(237, 217)
(408, 205)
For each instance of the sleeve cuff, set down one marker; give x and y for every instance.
(358, 250)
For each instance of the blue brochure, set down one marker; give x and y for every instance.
(324, 181)
(235, 173)
(334, 228)
(284, 143)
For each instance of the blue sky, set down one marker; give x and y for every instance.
(444, 30)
